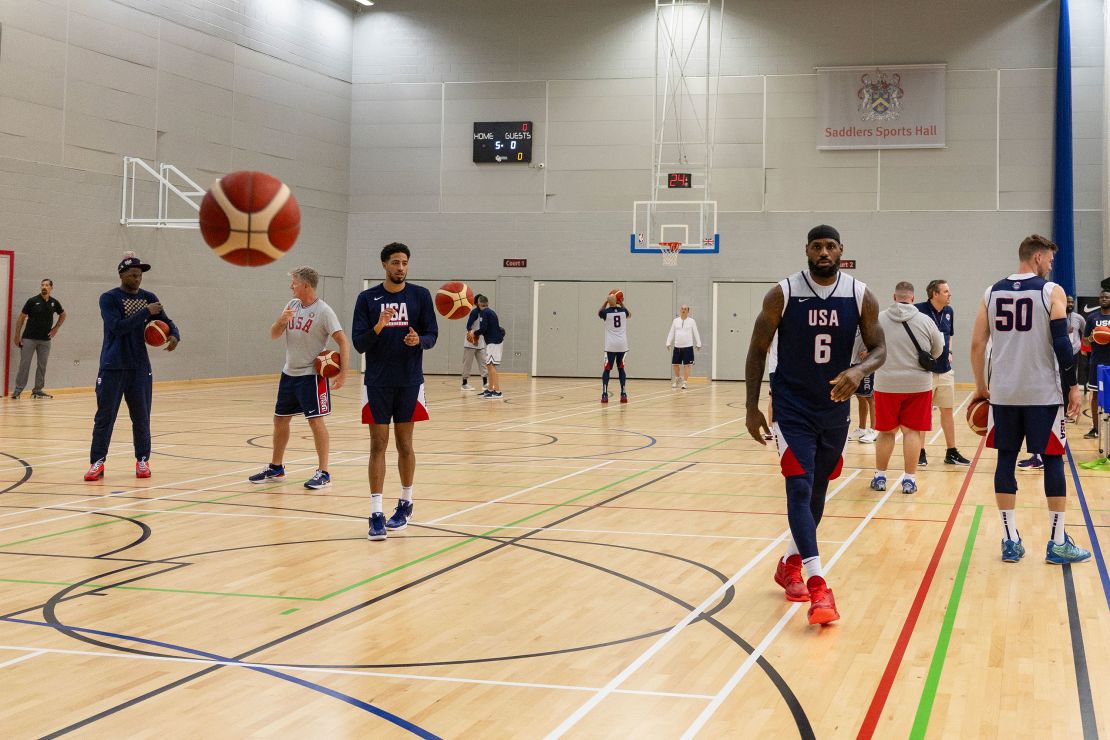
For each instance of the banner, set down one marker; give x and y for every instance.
(886, 107)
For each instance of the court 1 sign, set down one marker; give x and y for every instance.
(892, 107)
(514, 262)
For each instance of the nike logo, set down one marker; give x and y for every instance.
(800, 300)
(1088, 309)
(378, 298)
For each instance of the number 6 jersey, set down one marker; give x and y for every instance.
(1022, 368)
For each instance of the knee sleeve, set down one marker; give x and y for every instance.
(607, 367)
(1054, 482)
(1004, 479)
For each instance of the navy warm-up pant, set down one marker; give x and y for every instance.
(113, 386)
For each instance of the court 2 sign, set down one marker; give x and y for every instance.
(886, 107)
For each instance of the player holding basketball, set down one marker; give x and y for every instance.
(615, 316)
(306, 323)
(125, 366)
(490, 332)
(1032, 372)
(815, 313)
(394, 323)
(1100, 355)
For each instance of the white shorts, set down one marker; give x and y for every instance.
(493, 354)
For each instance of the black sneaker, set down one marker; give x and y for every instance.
(401, 516)
(922, 461)
(1093, 434)
(15, 394)
(955, 458)
(40, 394)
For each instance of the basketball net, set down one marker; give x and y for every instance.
(670, 252)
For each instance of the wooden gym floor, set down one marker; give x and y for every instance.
(572, 569)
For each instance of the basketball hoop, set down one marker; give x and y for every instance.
(670, 251)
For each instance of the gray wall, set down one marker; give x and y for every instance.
(424, 70)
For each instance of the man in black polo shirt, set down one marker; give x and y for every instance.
(38, 313)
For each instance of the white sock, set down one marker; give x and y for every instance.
(406, 493)
(375, 503)
(1009, 525)
(791, 549)
(910, 476)
(880, 472)
(1056, 519)
(813, 567)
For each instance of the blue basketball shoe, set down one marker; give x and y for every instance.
(377, 527)
(909, 486)
(320, 479)
(878, 483)
(269, 473)
(401, 516)
(1069, 552)
(1013, 551)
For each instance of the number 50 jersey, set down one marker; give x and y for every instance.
(1022, 370)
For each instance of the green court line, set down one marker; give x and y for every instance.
(932, 681)
(93, 586)
(290, 611)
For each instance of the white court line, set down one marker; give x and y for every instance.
(774, 631)
(39, 651)
(941, 430)
(520, 492)
(663, 640)
(709, 429)
(338, 671)
(84, 459)
(668, 534)
(594, 408)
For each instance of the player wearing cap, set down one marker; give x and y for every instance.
(124, 372)
(616, 317)
(815, 313)
(1032, 375)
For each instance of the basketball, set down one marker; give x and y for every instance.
(327, 364)
(454, 300)
(618, 295)
(156, 333)
(249, 218)
(1101, 335)
(977, 414)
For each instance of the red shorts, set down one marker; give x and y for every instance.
(913, 410)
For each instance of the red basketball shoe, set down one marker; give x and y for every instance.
(96, 470)
(788, 574)
(822, 607)
(142, 468)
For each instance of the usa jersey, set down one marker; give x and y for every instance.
(616, 328)
(1100, 353)
(306, 335)
(815, 340)
(1022, 370)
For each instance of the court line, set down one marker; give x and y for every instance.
(709, 429)
(670, 634)
(37, 652)
(34, 465)
(774, 632)
(668, 533)
(940, 652)
(1087, 717)
(338, 671)
(501, 426)
(882, 691)
(1096, 547)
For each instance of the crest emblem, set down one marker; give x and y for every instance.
(1017, 286)
(880, 97)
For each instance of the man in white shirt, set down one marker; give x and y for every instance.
(684, 337)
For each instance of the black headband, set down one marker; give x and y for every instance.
(823, 231)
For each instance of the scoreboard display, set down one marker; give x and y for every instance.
(503, 142)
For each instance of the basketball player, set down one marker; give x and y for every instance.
(615, 316)
(306, 323)
(394, 323)
(816, 313)
(490, 332)
(1032, 372)
(684, 336)
(474, 350)
(1100, 355)
(125, 366)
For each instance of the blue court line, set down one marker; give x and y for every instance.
(1096, 549)
(402, 723)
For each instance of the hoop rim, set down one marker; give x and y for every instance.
(670, 246)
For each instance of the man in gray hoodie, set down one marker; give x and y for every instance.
(903, 388)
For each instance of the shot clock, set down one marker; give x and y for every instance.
(503, 142)
(678, 180)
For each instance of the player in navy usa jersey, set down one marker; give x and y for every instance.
(1031, 373)
(394, 323)
(1100, 355)
(615, 316)
(816, 314)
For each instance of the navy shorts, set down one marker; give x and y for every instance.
(682, 356)
(303, 394)
(866, 387)
(1041, 427)
(396, 404)
(1092, 374)
(807, 447)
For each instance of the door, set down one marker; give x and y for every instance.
(735, 307)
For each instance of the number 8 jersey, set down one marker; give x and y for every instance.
(616, 328)
(1022, 368)
(816, 337)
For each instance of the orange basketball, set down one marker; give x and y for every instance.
(1101, 335)
(454, 300)
(618, 295)
(250, 218)
(156, 333)
(327, 364)
(977, 416)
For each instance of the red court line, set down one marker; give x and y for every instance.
(875, 711)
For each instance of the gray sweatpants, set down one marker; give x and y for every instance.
(31, 347)
(470, 354)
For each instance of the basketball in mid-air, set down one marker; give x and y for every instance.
(977, 416)
(249, 218)
(327, 364)
(618, 295)
(1101, 335)
(156, 333)
(454, 300)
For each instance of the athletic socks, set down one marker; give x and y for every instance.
(406, 493)
(813, 567)
(791, 548)
(1009, 526)
(1056, 519)
(880, 472)
(910, 477)
(375, 503)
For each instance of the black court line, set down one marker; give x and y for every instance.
(801, 721)
(1079, 658)
(27, 470)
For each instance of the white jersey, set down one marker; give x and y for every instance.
(1022, 369)
(306, 335)
(616, 328)
(773, 354)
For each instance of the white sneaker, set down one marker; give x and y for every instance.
(674, 382)
(869, 436)
(469, 387)
(684, 385)
(856, 435)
